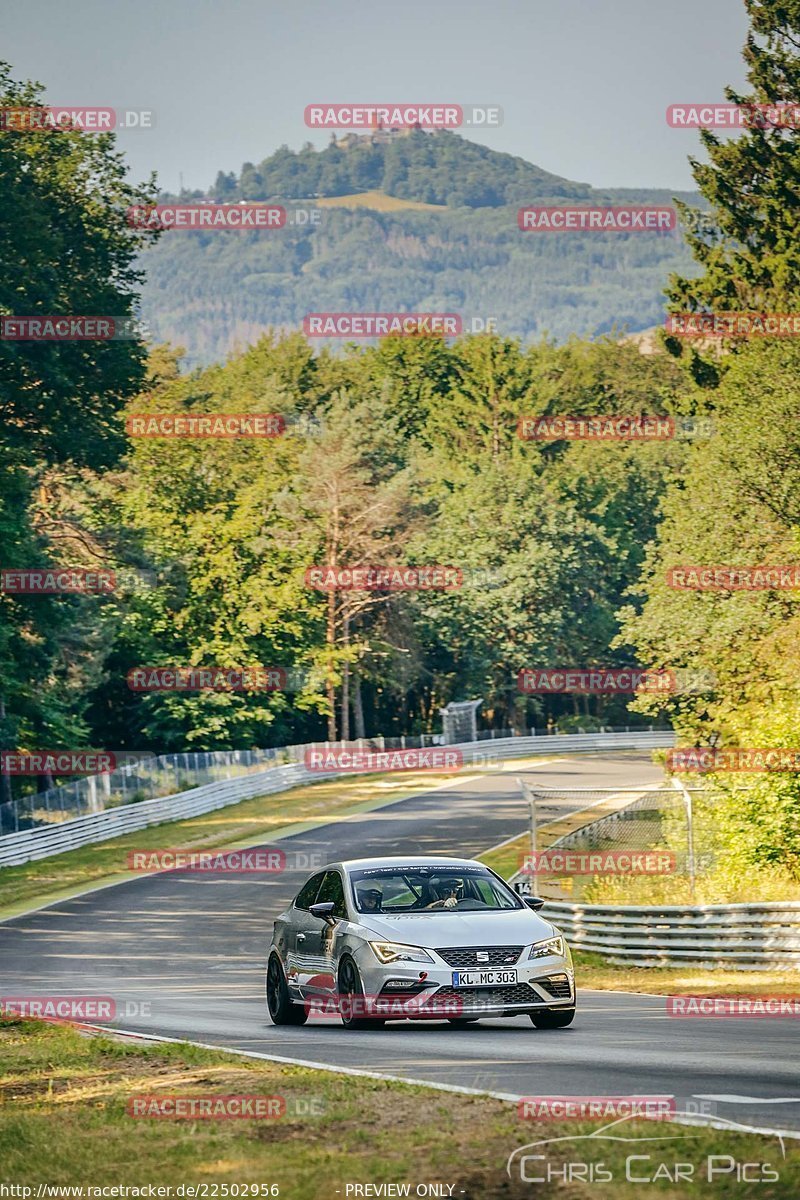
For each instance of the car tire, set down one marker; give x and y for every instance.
(461, 1022)
(350, 986)
(553, 1018)
(279, 1005)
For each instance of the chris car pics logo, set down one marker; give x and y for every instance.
(618, 1152)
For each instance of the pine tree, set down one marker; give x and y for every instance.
(751, 259)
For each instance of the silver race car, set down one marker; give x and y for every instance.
(396, 938)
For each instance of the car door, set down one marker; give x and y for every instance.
(320, 940)
(301, 925)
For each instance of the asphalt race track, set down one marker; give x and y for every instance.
(183, 954)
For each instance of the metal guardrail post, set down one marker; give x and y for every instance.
(687, 799)
(530, 796)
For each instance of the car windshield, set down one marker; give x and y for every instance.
(430, 889)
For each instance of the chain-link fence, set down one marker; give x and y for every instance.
(144, 776)
(589, 844)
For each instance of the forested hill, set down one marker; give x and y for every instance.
(435, 168)
(376, 245)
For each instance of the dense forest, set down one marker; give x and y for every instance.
(404, 452)
(213, 294)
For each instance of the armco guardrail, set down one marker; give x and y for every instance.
(44, 841)
(765, 937)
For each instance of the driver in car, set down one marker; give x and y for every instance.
(447, 892)
(370, 899)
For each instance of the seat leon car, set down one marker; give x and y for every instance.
(379, 939)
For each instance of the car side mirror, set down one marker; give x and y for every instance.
(534, 902)
(324, 911)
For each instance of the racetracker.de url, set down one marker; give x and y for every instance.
(118, 1191)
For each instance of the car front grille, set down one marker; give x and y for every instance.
(556, 985)
(467, 956)
(492, 997)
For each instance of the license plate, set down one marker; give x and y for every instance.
(493, 978)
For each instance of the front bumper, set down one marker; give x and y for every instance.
(429, 992)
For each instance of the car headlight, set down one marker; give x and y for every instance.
(389, 952)
(554, 945)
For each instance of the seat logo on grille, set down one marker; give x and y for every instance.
(481, 956)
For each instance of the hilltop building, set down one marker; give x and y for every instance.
(379, 135)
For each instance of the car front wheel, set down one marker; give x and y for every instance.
(553, 1018)
(281, 1009)
(351, 999)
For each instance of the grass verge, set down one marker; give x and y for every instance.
(63, 1121)
(506, 859)
(592, 971)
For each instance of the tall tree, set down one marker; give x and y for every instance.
(354, 490)
(750, 258)
(67, 250)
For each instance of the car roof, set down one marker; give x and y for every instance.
(408, 860)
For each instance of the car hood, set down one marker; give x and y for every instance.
(522, 926)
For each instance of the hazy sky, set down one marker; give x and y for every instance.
(583, 83)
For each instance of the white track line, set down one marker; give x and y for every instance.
(508, 1097)
(303, 1062)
